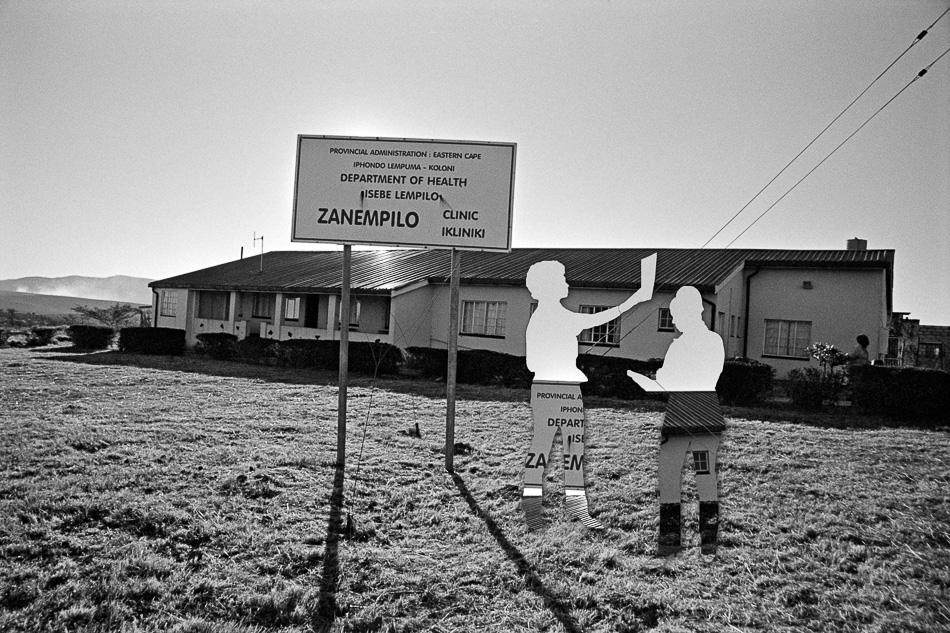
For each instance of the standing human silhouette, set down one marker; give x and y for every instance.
(693, 421)
(556, 402)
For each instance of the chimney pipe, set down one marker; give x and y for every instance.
(857, 244)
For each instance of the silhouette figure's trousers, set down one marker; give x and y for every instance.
(556, 406)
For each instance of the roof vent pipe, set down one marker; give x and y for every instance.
(857, 244)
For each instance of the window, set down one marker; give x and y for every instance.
(701, 462)
(787, 338)
(263, 306)
(485, 318)
(214, 305)
(291, 308)
(387, 314)
(169, 303)
(356, 307)
(929, 350)
(604, 334)
(735, 326)
(721, 324)
(894, 347)
(666, 321)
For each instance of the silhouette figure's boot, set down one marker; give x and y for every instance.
(577, 509)
(531, 505)
(709, 526)
(669, 541)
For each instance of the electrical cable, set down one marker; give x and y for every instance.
(830, 154)
(920, 36)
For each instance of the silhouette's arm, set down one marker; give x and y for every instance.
(645, 293)
(647, 280)
(647, 384)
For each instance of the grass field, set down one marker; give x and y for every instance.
(155, 494)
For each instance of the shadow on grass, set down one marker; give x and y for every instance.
(327, 608)
(558, 608)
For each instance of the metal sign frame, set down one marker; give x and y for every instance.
(398, 192)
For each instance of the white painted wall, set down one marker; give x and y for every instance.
(411, 323)
(841, 304)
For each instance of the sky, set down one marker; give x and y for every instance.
(153, 139)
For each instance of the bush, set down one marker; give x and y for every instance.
(744, 381)
(164, 341)
(901, 392)
(217, 345)
(484, 367)
(475, 366)
(15, 338)
(308, 354)
(810, 387)
(428, 362)
(374, 358)
(363, 358)
(41, 336)
(256, 350)
(607, 376)
(91, 336)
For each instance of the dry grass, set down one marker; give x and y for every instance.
(155, 494)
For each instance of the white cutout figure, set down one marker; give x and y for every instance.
(693, 421)
(556, 403)
(551, 339)
(693, 361)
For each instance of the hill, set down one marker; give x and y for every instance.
(48, 305)
(118, 288)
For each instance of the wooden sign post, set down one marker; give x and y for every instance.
(452, 369)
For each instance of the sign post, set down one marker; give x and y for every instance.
(452, 369)
(426, 193)
(344, 359)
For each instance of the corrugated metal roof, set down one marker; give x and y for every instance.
(385, 270)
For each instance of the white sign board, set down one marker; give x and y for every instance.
(404, 192)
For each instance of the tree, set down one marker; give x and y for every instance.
(115, 315)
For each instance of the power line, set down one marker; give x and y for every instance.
(919, 37)
(830, 154)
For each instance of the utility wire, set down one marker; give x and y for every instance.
(921, 36)
(923, 72)
(850, 136)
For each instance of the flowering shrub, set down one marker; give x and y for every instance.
(810, 387)
(828, 355)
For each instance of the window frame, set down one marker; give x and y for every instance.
(665, 316)
(701, 462)
(603, 335)
(259, 300)
(209, 301)
(168, 306)
(791, 344)
(296, 301)
(468, 320)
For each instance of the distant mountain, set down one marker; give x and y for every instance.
(49, 305)
(118, 288)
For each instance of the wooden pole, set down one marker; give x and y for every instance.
(344, 359)
(452, 362)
